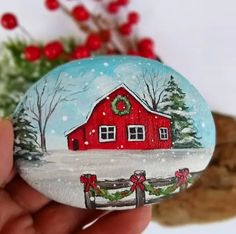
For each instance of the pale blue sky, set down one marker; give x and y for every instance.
(102, 74)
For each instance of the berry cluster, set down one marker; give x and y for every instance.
(100, 30)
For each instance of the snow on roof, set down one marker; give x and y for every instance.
(107, 94)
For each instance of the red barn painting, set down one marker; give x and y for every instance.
(120, 120)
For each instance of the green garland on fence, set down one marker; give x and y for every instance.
(160, 191)
(104, 193)
(123, 99)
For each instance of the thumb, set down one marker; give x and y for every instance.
(6, 150)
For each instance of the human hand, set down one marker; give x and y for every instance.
(23, 210)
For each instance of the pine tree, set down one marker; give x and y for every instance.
(184, 133)
(26, 145)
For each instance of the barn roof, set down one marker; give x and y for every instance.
(107, 94)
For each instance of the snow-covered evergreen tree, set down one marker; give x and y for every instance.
(184, 133)
(26, 145)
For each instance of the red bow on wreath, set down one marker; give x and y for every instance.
(182, 177)
(137, 182)
(90, 182)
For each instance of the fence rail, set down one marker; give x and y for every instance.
(140, 194)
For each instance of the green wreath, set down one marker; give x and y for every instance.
(123, 99)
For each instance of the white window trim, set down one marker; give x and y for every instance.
(160, 133)
(100, 133)
(136, 126)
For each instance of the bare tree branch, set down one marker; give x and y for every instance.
(46, 102)
(153, 89)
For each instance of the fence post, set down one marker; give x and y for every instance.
(89, 196)
(139, 193)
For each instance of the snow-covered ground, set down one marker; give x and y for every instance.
(58, 175)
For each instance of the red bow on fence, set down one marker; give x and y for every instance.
(182, 177)
(89, 181)
(137, 182)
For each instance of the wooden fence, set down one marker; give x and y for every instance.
(140, 196)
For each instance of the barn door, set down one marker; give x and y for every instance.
(75, 145)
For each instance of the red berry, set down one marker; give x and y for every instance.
(133, 17)
(9, 21)
(113, 7)
(80, 13)
(81, 52)
(123, 2)
(53, 50)
(52, 4)
(148, 54)
(32, 53)
(146, 44)
(125, 29)
(93, 42)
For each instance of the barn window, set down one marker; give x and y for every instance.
(136, 133)
(107, 133)
(163, 133)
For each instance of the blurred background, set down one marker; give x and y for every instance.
(196, 38)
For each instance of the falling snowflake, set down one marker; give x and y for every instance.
(93, 70)
(86, 143)
(144, 160)
(53, 131)
(59, 180)
(92, 198)
(163, 160)
(112, 160)
(103, 113)
(108, 98)
(106, 64)
(64, 118)
(93, 131)
(203, 125)
(121, 146)
(101, 73)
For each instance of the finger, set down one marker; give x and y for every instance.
(6, 151)
(27, 197)
(62, 219)
(125, 222)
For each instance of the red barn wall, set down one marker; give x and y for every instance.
(88, 134)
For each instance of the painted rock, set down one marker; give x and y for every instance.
(112, 133)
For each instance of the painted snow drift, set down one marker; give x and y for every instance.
(113, 132)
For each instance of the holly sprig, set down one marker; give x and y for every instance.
(23, 62)
(104, 34)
